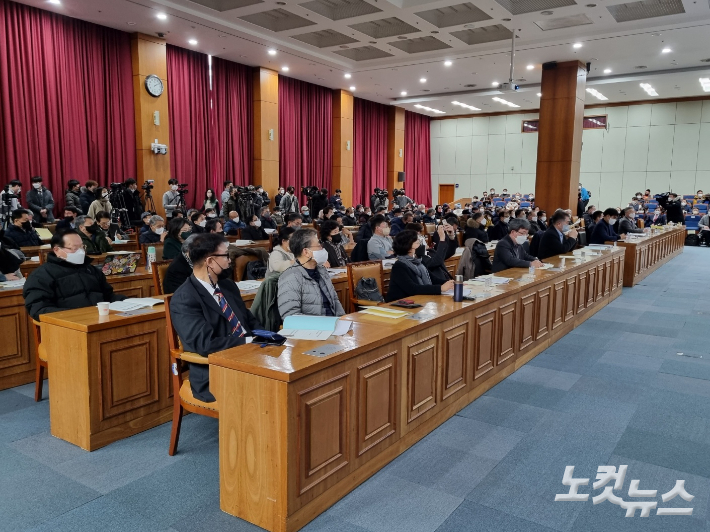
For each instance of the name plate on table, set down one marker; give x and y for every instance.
(324, 350)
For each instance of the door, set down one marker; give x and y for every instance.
(446, 194)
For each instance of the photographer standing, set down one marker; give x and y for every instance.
(132, 199)
(379, 199)
(40, 201)
(231, 204)
(319, 201)
(401, 199)
(265, 199)
(9, 200)
(671, 203)
(171, 199)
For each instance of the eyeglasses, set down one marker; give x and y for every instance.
(70, 250)
(220, 255)
(315, 248)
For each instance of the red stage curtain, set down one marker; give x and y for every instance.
(370, 145)
(66, 100)
(189, 106)
(305, 131)
(232, 121)
(417, 157)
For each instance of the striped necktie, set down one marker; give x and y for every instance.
(237, 328)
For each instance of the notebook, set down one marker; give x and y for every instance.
(44, 233)
(120, 262)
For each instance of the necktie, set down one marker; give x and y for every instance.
(237, 328)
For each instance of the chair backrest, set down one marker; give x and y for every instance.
(689, 197)
(173, 341)
(358, 270)
(240, 266)
(639, 223)
(691, 221)
(524, 204)
(159, 269)
(430, 228)
(158, 252)
(702, 207)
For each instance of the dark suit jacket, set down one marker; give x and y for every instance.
(602, 233)
(177, 273)
(550, 244)
(510, 255)
(203, 329)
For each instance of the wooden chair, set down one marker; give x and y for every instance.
(159, 269)
(430, 228)
(158, 252)
(240, 266)
(182, 392)
(40, 360)
(358, 270)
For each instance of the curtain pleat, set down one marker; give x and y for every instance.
(417, 157)
(370, 149)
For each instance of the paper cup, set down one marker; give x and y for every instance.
(103, 308)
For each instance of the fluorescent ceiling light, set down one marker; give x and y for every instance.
(161, 16)
(403, 93)
(705, 82)
(193, 42)
(649, 89)
(352, 88)
(56, 2)
(285, 69)
(422, 80)
(495, 83)
(530, 67)
(597, 94)
(272, 52)
(607, 71)
(577, 45)
(504, 102)
(348, 76)
(448, 63)
(465, 106)
(425, 108)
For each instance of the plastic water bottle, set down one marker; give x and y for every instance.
(150, 258)
(531, 272)
(458, 289)
(488, 284)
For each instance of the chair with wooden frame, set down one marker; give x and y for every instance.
(240, 266)
(358, 270)
(182, 392)
(40, 360)
(159, 269)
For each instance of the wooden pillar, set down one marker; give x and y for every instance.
(395, 149)
(559, 146)
(266, 130)
(343, 145)
(149, 57)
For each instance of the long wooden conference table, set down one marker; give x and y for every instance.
(298, 432)
(645, 255)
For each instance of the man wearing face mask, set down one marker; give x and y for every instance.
(305, 287)
(156, 233)
(21, 233)
(279, 197)
(40, 201)
(254, 231)
(500, 229)
(509, 251)
(627, 224)
(92, 237)
(67, 280)
(70, 214)
(198, 222)
(267, 222)
(603, 230)
(559, 237)
(207, 309)
(380, 244)
(171, 198)
(673, 206)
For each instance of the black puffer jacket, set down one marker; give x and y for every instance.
(60, 285)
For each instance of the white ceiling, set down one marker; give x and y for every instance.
(607, 44)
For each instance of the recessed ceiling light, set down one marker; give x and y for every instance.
(495, 83)
(352, 87)
(272, 52)
(591, 5)
(466, 106)
(56, 2)
(284, 69)
(597, 94)
(649, 89)
(448, 63)
(705, 83)
(425, 108)
(504, 102)
(422, 80)
(546, 12)
(280, 3)
(666, 51)
(193, 42)
(435, 31)
(347, 76)
(161, 16)
(131, 23)
(607, 71)
(506, 19)
(539, 95)
(577, 45)
(530, 67)
(403, 93)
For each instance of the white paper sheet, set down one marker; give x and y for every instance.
(249, 285)
(134, 303)
(301, 334)
(466, 292)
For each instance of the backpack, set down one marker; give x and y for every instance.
(692, 240)
(367, 289)
(256, 269)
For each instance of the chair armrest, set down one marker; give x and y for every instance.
(365, 302)
(193, 358)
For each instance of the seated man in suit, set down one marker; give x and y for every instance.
(21, 233)
(509, 250)
(604, 229)
(627, 224)
(559, 238)
(207, 309)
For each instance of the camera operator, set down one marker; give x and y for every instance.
(71, 197)
(230, 204)
(289, 203)
(379, 199)
(265, 199)
(10, 200)
(400, 199)
(671, 203)
(336, 200)
(40, 201)
(319, 201)
(171, 198)
(227, 192)
(132, 199)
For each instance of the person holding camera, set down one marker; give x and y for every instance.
(672, 204)
(289, 203)
(265, 199)
(336, 201)
(21, 233)
(71, 197)
(227, 192)
(171, 198)
(319, 201)
(10, 200)
(231, 204)
(40, 201)
(401, 199)
(101, 203)
(132, 199)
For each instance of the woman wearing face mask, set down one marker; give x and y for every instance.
(178, 231)
(305, 287)
(210, 201)
(279, 197)
(101, 203)
(435, 260)
(332, 241)
(254, 231)
(281, 257)
(156, 233)
(409, 275)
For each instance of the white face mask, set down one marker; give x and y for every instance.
(173, 187)
(386, 231)
(505, 220)
(520, 240)
(534, 218)
(543, 218)
(104, 196)
(37, 185)
(236, 220)
(565, 228)
(212, 215)
(77, 257)
(257, 223)
(202, 223)
(320, 256)
(159, 230)
(612, 221)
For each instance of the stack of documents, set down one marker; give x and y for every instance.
(466, 292)
(249, 285)
(241, 242)
(134, 303)
(336, 271)
(269, 231)
(13, 284)
(384, 312)
(302, 327)
(387, 263)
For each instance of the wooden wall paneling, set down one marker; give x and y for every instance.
(608, 266)
(506, 341)
(582, 290)
(527, 320)
(484, 340)
(395, 143)
(456, 346)
(558, 304)
(591, 285)
(266, 117)
(422, 356)
(600, 282)
(543, 311)
(342, 134)
(570, 297)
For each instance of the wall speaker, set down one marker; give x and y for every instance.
(400, 177)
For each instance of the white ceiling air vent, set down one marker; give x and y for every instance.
(364, 53)
(278, 20)
(518, 7)
(386, 27)
(340, 9)
(444, 17)
(226, 5)
(485, 34)
(324, 38)
(563, 22)
(645, 9)
(420, 44)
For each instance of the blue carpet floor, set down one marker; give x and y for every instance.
(630, 386)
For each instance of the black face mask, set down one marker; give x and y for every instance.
(337, 239)
(69, 219)
(27, 226)
(420, 251)
(93, 229)
(225, 274)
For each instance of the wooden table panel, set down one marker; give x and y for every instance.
(645, 255)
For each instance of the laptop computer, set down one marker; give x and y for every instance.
(120, 262)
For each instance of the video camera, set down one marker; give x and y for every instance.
(148, 185)
(310, 191)
(116, 186)
(182, 189)
(8, 196)
(380, 193)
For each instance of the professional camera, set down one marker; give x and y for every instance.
(116, 186)
(310, 191)
(148, 185)
(8, 196)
